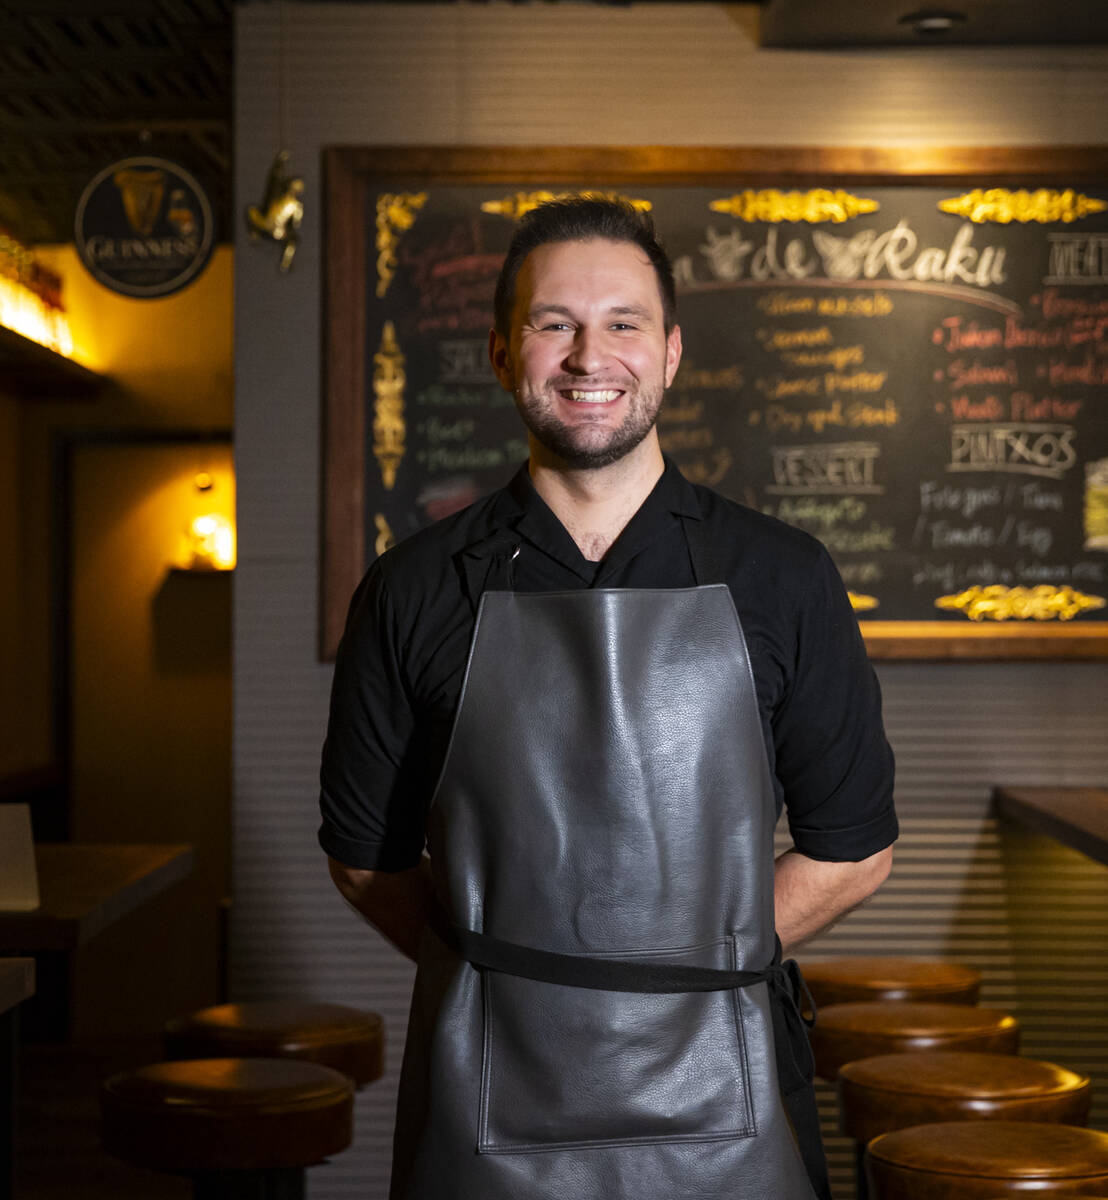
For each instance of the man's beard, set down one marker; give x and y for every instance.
(579, 446)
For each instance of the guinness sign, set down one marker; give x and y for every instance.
(144, 227)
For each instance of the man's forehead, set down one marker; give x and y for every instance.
(613, 249)
(554, 265)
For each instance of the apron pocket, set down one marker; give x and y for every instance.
(566, 1067)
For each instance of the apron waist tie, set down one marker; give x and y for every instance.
(600, 974)
(791, 1002)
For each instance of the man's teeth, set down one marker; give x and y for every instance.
(594, 397)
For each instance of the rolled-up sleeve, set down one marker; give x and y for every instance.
(832, 757)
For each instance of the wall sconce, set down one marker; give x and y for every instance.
(211, 537)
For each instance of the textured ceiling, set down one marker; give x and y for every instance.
(842, 23)
(85, 82)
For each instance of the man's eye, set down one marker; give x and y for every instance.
(556, 326)
(622, 325)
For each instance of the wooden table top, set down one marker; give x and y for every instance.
(17, 981)
(84, 887)
(1077, 817)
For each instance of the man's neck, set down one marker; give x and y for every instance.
(595, 505)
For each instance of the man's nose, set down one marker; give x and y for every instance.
(587, 355)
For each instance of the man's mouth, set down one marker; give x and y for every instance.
(600, 396)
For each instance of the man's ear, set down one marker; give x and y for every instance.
(501, 360)
(673, 353)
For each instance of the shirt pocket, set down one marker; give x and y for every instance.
(566, 1067)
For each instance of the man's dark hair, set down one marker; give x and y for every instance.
(578, 219)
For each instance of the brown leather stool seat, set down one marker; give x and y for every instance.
(347, 1039)
(894, 1091)
(845, 1032)
(860, 979)
(239, 1127)
(979, 1160)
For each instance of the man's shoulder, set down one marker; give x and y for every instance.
(737, 530)
(430, 552)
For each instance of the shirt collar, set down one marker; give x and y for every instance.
(522, 509)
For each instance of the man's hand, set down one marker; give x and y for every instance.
(397, 903)
(810, 895)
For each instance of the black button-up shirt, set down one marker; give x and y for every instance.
(402, 659)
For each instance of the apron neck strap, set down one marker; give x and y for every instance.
(490, 566)
(702, 556)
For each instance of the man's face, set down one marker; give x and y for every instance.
(588, 358)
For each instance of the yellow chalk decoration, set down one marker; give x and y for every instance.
(518, 205)
(1043, 205)
(384, 539)
(1042, 603)
(396, 214)
(389, 426)
(815, 206)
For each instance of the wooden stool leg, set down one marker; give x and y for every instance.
(279, 1183)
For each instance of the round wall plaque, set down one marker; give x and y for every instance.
(144, 227)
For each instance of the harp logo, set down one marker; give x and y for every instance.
(144, 227)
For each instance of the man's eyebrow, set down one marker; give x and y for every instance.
(543, 310)
(561, 310)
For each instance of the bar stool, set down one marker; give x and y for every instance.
(333, 1035)
(241, 1129)
(983, 1160)
(895, 1091)
(859, 979)
(845, 1032)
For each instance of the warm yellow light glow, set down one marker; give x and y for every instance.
(27, 314)
(212, 540)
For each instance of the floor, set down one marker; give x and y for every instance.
(58, 1153)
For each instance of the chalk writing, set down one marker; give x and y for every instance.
(840, 467)
(1077, 258)
(673, 440)
(966, 502)
(924, 393)
(817, 513)
(464, 361)
(1032, 449)
(859, 574)
(730, 377)
(436, 395)
(709, 470)
(839, 357)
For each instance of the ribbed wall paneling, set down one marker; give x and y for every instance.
(1031, 914)
(649, 74)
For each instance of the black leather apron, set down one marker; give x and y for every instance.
(601, 840)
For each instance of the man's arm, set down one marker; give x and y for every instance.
(397, 903)
(809, 895)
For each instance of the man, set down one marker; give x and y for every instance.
(589, 695)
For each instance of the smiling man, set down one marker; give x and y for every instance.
(587, 698)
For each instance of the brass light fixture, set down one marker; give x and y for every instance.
(933, 22)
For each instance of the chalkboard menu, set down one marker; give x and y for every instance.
(916, 374)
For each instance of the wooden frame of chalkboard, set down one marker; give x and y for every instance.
(352, 175)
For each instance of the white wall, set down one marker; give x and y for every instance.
(535, 74)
